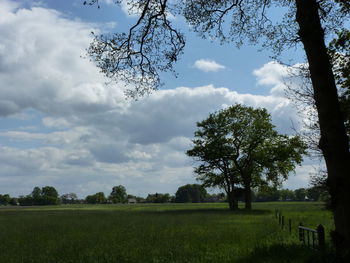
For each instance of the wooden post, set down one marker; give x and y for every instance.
(282, 222)
(321, 237)
(290, 225)
(301, 233)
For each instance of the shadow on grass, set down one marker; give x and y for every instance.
(288, 253)
(208, 211)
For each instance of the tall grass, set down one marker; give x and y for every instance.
(155, 233)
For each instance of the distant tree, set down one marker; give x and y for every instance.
(190, 193)
(25, 200)
(158, 198)
(14, 201)
(267, 193)
(5, 199)
(118, 194)
(98, 198)
(69, 198)
(318, 182)
(287, 195)
(300, 194)
(37, 196)
(49, 196)
(314, 194)
(214, 198)
(239, 146)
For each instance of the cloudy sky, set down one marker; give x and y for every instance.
(62, 125)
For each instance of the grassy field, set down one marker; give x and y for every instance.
(157, 233)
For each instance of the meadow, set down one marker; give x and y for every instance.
(158, 233)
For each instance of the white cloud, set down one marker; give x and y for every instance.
(208, 65)
(87, 137)
(279, 76)
(42, 68)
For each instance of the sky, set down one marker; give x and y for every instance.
(62, 125)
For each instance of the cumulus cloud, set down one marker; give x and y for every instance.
(208, 65)
(280, 77)
(42, 66)
(87, 137)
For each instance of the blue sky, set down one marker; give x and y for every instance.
(61, 125)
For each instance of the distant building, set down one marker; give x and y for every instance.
(132, 201)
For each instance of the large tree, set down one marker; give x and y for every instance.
(239, 146)
(153, 45)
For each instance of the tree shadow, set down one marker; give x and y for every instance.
(283, 253)
(208, 211)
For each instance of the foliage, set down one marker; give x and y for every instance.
(288, 195)
(47, 195)
(266, 194)
(153, 44)
(300, 194)
(98, 198)
(239, 146)
(190, 193)
(118, 194)
(69, 198)
(339, 51)
(5, 199)
(158, 198)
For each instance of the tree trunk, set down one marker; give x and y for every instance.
(248, 197)
(333, 142)
(232, 201)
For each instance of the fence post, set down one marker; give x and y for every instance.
(301, 233)
(282, 222)
(321, 237)
(290, 225)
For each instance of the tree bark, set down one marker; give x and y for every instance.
(232, 201)
(248, 197)
(333, 143)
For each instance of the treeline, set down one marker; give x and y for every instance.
(267, 194)
(190, 193)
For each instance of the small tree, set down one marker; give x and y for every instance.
(239, 146)
(118, 194)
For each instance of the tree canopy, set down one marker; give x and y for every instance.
(239, 146)
(118, 194)
(190, 193)
(98, 198)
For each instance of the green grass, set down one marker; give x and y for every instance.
(157, 233)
